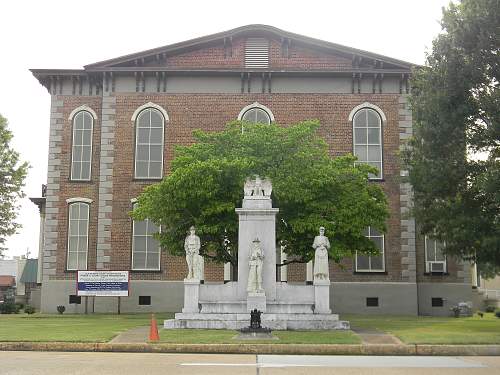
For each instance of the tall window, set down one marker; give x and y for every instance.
(435, 261)
(368, 138)
(145, 248)
(78, 236)
(372, 263)
(149, 144)
(81, 153)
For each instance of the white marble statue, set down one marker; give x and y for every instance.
(258, 187)
(192, 247)
(321, 245)
(255, 263)
(198, 267)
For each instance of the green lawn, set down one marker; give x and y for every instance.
(214, 336)
(71, 328)
(103, 327)
(433, 330)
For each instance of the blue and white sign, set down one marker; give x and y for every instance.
(103, 283)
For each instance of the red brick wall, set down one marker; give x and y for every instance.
(212, 112)
(70, 189)
(300, 58)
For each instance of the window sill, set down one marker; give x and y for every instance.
(146, 271)
(436, 274)
(135, 179)
(370, 272)
(80, 181)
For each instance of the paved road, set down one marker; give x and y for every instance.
(54, 363)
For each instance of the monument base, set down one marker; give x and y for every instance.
(256, 301)
(191, 296)
(322, 297)
(276, 322)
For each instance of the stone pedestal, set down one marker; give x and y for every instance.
(257, 219)
(256, 301)
(191, 296)
(322, 297)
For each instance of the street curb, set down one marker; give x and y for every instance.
(326, 349)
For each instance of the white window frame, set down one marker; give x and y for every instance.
(73, 119)
(382, 119)
(382, 253)
(147, 235)
(72, 203)
(136, 122)
(258, 106)
(428, 262)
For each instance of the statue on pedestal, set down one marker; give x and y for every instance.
(192, 246)
(255, 263)
(258, 187)
(321, 245)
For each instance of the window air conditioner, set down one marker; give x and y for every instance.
(436, 266)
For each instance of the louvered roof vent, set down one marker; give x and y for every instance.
(257, 53)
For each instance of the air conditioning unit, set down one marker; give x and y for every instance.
(436, 266)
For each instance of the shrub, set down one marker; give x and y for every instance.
(489, 309)
(20, 306)
(497, 313)
(61, 309)
(29, 309)
(9, 308)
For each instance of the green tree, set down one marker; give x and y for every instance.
(12, 175)
(454, 161)
(309, 187)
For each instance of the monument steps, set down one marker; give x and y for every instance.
(272, 321)
(240, 307)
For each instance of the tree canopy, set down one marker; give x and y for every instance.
(454, 159)
(12, 175)
(310, 188)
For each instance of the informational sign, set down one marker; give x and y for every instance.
(103, 283)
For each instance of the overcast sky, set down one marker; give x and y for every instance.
(72, 33)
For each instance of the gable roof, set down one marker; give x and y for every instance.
(253, 30)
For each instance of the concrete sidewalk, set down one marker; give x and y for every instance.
(374, 337)
(137, 335)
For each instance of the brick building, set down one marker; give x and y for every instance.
(114, 125)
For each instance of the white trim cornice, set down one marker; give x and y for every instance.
(256, 105)
(82, 108)
(79, 199)
(367, 105)
(150, 105)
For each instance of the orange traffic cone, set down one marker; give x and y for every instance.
(153, 330)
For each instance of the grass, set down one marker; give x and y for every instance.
(103, 327)
(433, 330)
(214, 336)
(69, 328)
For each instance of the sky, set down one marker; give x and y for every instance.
(71, 33)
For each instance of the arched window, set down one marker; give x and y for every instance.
(256, 113)
(81, 152)
(78, 235)
(372, 263)
(149, 128)
(367, 133)
(145, 248)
